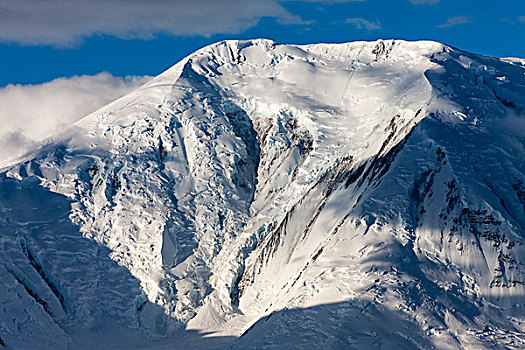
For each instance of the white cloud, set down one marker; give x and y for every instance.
(361, 23)
(424, 2)
(66, 22)
(325, 1)
(513, 124)
(31, 113)
(454, 21)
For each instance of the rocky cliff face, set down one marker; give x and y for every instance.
(335, 195)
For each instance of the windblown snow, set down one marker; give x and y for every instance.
(266, 196)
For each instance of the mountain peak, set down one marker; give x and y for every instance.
(263, 184)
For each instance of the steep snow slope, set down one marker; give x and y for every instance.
(343, 195)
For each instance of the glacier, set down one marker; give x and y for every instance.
(266, 196)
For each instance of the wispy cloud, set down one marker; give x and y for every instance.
(63, 22)
(31, 113)
(325, 1)
(511, 124)
(361, 23)
(454, 21)
(513, 20)
(424, 2)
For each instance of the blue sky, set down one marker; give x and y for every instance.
(43, 40)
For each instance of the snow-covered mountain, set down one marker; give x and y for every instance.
(266, 196)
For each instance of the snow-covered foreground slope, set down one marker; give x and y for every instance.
(256, 195)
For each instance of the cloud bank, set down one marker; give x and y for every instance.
(66, 22)
(31, 113)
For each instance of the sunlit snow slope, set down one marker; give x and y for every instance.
(257, 195)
